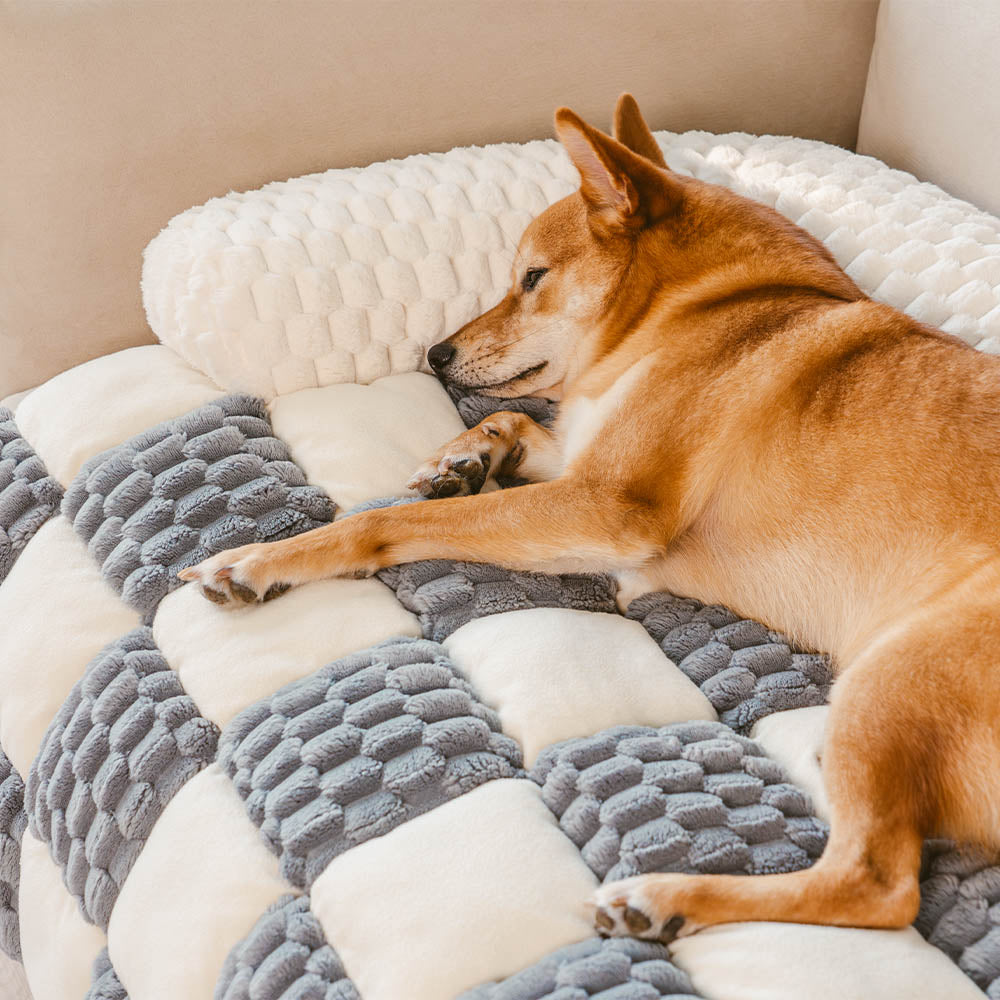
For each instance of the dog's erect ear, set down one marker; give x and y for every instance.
(622, 189)
(631, 130)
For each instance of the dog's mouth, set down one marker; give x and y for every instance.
(496, 388)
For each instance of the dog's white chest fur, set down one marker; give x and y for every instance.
(582, 418)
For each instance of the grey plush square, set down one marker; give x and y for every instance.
(359, 747)
(692, 797)
(286, 956)
(168, 498)
(123, 743)
(29, 496)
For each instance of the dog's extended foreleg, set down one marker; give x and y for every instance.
(548, 527)
(504, 443)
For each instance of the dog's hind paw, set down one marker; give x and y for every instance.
(633, 907)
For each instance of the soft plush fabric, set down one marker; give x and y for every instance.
(28, 496)
(361, 443)
(229, 659)
(211, 878)
(493, 862)
(88, 409)
(448, 757)
(830, 963)
(51, 635)
(58, 945)
(554, 673)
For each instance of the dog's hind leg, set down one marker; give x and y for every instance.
(505, 443)
(896, 740)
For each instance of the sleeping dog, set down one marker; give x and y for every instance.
(738, 423)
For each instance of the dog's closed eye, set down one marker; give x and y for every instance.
(531, 277)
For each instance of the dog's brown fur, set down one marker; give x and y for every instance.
(740, 424)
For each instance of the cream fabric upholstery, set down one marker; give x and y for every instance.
(729, 962)
(556, 673)
(932, 105)
(395, 904)
(59, 945)
(127, 113)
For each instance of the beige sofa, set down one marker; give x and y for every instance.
(116, 115)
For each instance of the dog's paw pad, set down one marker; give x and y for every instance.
(215, 596)
(454, 475)
(624, 909)
(243, 593)
(233, 579)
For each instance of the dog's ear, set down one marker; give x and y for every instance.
(622, 189)
(631, 130)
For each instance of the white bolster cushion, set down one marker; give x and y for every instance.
(350, 275)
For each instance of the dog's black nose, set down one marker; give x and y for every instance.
(439, 355)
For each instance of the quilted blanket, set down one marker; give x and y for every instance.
(405, 788)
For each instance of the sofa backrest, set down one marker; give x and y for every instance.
(117, 115)
(932, 104)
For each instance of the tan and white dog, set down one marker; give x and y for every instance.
(740, 424)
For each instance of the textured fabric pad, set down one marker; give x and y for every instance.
(29, 496)
(473, 408)
(13, 821)
(960, 912)
(359, 747)
(470, 892)
(170, 497)
(623, 969)
(106, 985)
(58, 943)
(692, 797)
(554, 674)
(123, 743)
(445, 594)
(285, 955)
(745, 670)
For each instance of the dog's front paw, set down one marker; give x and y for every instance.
(457, 474)
(236, 577)
(639, 907)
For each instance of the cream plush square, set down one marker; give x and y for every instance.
(57, 614)
(199, 885)
(101, 403)
(752, 961)
(58, 945)
(13, 402)
(795, 739)
(474, 890)
(556, 673)
(360, 442)
(228, 659)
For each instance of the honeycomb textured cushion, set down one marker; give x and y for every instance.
(351, 275)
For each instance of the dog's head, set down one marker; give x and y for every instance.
(575, 262)
(591, 267)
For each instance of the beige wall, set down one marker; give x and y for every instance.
(933, 100)
(117, 114)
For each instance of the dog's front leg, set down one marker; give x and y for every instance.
(564, 525)
(505, 443)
